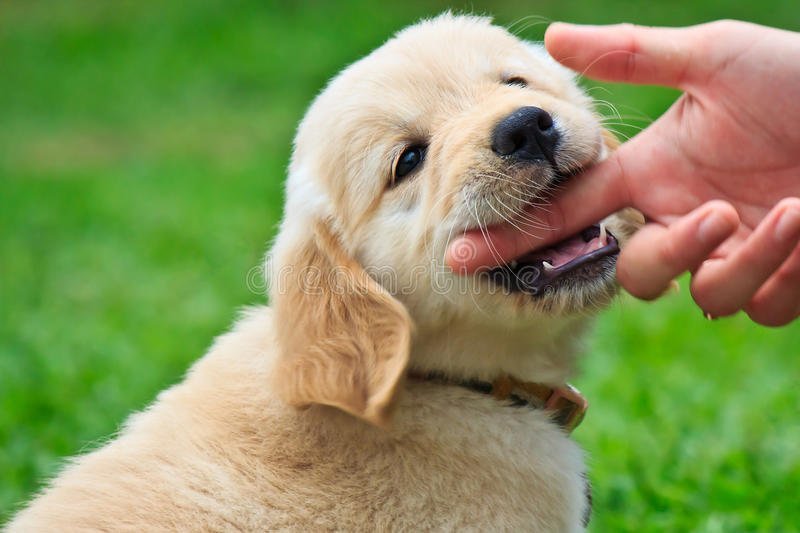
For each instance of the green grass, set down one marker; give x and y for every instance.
(142, 153)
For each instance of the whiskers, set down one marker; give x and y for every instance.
(522, 25)
(624, 134)
(610, 115)
(510, 201)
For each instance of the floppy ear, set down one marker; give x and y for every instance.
(343, 339)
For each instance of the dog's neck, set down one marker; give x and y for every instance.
(566, 404)
(543, 353)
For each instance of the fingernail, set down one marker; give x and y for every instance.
(713, 228)
(788, 225)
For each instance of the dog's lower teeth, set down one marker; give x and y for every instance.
(547, 266)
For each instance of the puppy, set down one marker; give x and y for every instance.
(379, 390)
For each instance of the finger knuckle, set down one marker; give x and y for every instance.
(624, 175)
(724, 26)
(766, 316)
(630, 65)
(789, 276)
(638, 286)
(713, 301)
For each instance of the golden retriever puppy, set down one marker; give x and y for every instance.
(379, 391)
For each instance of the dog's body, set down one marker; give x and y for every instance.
(220, 452)
(304, 416)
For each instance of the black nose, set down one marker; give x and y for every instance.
(527, 133)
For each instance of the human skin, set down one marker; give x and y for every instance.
(717, 176)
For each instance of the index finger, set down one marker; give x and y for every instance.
(625, 53)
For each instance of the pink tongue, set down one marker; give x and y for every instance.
(566, 251)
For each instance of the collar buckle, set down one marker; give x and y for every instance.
(569, 407)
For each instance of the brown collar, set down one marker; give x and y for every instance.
(566, 403)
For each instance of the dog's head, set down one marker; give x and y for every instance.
(452, 125)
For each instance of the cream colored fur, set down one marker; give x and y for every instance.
(301, 417)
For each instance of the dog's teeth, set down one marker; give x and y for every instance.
(513, 264)
(547, 266)
(603, 235)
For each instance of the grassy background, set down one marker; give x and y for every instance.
(142, 152)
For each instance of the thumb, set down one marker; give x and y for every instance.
(587, 199)
(627, 53)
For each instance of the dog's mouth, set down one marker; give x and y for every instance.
(587, 255)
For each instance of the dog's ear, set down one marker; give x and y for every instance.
(344, 340)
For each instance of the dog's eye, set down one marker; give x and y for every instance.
(409, 159)
(516, 80)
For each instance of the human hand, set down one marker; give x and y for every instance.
(717, 176)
